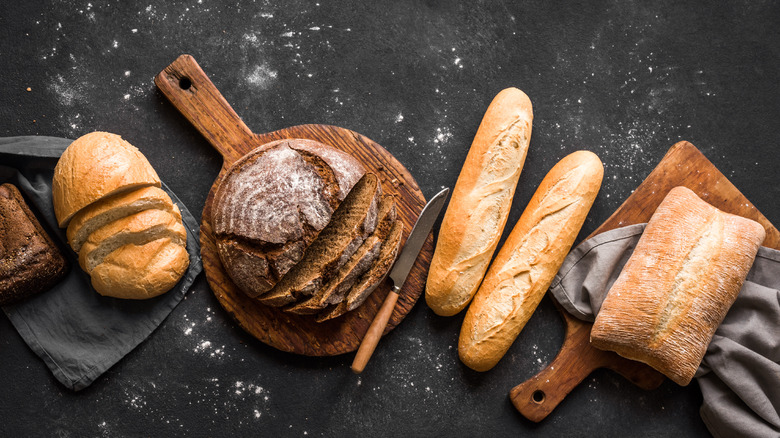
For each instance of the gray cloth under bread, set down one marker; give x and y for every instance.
(78, 333)
(740, 374)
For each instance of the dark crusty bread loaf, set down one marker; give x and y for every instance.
(30, 262)
(683, 276)
(336, 289)
(349, 226)
(273, 203)
(366, 285)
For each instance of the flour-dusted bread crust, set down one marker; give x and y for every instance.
(480, 203)
(112, 208)
(529, 259)
(30, 262)
(685, 273)
(141, 271)
(273, 203)
(96, 165)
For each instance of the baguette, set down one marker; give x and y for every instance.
(528, 261)
(480, 203)
(674, 291)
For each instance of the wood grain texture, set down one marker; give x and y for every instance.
(202, 104)
(683, 165)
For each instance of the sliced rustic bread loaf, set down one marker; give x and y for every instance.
(141, 271)
(273, 203)
(371, 279)
(349, 226)
(109, 209)
(136, 229)
(335, 290)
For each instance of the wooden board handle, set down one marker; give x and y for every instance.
(189, 89)
(374, 333)
(538, 396)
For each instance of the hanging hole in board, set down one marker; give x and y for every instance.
(538, 396)
(185, 83)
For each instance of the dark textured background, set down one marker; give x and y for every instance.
(623, 79)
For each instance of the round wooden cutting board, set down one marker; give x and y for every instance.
(186, 85)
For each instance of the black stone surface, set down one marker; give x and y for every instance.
(623, 79)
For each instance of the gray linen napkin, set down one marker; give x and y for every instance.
(78, 333)
(740, 374)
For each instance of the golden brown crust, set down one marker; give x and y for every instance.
(685, 273)
(529, 259)
(138, 228)
(141, 271)
(111, 208)
(480, 203)
(96, 165)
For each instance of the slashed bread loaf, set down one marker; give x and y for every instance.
(94, 166)
(273, 203)
(529, 259)
(127, 232)
(480, 203)
(683, 276)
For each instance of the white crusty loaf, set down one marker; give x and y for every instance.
(683, 276)
(529, 259)
(115, 207)
(128, 233)
(96, 165)
(141, 271)
(480, 203)
(137, 229)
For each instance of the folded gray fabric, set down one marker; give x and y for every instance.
(78, 333)
(740, 374)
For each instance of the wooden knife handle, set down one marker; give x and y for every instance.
(374, 333)
(185, 84)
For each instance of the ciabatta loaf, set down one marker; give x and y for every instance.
(685, 273)
(529, 259)
(480, 203)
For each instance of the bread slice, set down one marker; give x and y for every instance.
(371, 279)
(109, 209)
(94, 166)
(335, 290)
(141, 271)
(138, 228)
(352, 222)
(273, 203)
(683, 276)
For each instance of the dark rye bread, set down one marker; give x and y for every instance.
(336, 289)
(30, 262)
(352, 222)
(273, 203)
(371, 279)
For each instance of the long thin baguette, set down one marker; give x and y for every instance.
(480, 203)
(528, 261)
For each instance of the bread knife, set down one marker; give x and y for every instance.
(397, 275)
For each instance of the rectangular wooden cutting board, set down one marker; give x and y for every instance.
(683, 165)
